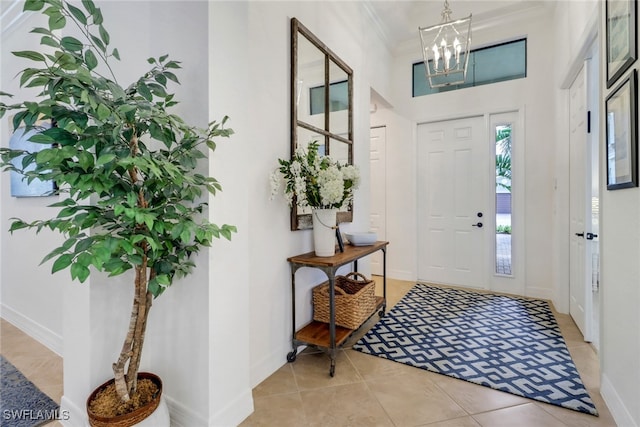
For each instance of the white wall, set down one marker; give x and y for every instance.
(619, 226)
(343, 27)
(185, 319)
(620, 293)
(30, 297)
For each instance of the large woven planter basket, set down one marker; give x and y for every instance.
(133, 417)
(355, 300)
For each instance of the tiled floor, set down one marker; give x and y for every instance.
(366, 390)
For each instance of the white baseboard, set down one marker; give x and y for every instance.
(401, 275)
(43, 335)
(617, 408)
(539, 293)
(234, 413)
(181, 416)
(71, 415)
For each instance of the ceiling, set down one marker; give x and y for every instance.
(398, 20)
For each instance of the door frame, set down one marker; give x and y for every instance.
(515, 284)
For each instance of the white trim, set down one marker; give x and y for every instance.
(181, 415)
(43, 335)
(401, 275)
(72, 415)
(617, 408)
(228, 416)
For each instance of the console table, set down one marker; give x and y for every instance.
(330, 336)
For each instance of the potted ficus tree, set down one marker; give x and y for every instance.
(126, 163)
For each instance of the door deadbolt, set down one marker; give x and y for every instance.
(479, 214)
(591, 236)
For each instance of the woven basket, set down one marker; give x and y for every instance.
(130, 418)
(355, 300)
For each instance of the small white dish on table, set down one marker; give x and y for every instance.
(362, 239)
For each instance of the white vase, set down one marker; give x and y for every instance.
(159, 418)
(324, 231)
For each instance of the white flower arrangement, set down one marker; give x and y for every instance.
(314, 180)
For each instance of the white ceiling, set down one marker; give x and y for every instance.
(398, 20)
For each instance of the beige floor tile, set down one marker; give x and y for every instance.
(280, 382)
(577, 419)
(370, 367)
(456, 422)
(283, 410)
(475, 398)
(528, 415)
(412, 399)
(350, 405)
(311, 371)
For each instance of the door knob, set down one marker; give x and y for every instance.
(479, 225)
(580, 234)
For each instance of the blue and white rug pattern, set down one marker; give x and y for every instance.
(21, 402)
(506, 343)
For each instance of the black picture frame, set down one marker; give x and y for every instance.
(621, 38)
(621, 109)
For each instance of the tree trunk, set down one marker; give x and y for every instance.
(132, 348)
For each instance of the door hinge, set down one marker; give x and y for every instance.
(588, 121)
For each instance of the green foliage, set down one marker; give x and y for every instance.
(128, 165)
(503, 157)
(503, 229)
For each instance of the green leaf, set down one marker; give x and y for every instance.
(49, 41)
(71, 43)
(143, 90)
(85, 160)
(40, 30)
(98, 43)
(17, 225)
(171, 76)
(90, 59)
(89, 6)
(33, 5)
(78, 14)
(29, 54)
(61, 263)
(104, 35)
(97, 16)
(80, 272)
(105, 158)
(57, 21)
(103, 112)
(154, 287)
(116, 54)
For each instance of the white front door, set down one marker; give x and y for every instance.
(453, 164)
(579, 207)
(378, 173)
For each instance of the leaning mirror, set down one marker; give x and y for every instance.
(321, 106)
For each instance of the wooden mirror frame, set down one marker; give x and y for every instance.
(302, 221)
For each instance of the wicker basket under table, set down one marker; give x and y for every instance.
(355, 300)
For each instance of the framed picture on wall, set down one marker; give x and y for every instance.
(622, 135)
(20, 185)
(622, 49)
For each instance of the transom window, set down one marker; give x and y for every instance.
(492, 64)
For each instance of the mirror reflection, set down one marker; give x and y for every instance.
(321, 106)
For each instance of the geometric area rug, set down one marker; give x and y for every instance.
(22, 404)
(506, 343)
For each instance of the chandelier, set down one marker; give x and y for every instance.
(445, 49)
